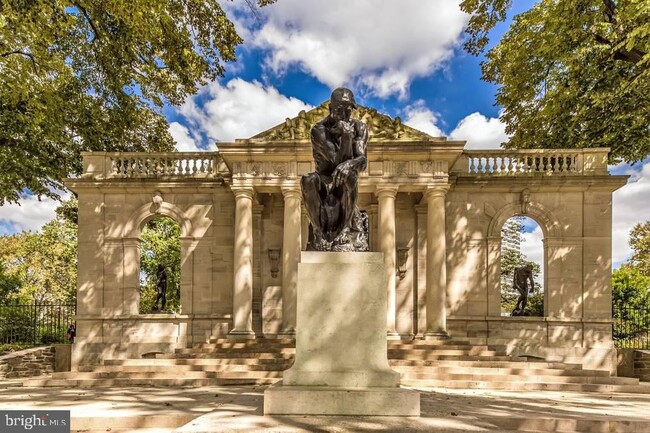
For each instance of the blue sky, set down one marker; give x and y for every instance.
(402, 57)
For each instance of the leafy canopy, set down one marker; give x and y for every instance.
(42, 266)
(640, 243)
(571, 73)
(82, 75)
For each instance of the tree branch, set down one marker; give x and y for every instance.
(29, 55)
(88, 19)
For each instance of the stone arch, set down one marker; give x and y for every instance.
(550, 228)
(145, 213)
(543, 217)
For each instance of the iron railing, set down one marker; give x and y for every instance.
(36, 323)
(631, 327)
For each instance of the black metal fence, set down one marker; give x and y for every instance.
(36, 323)
(631, 327)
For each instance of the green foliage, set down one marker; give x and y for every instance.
(80, 75)
(571, 73)
(41, 266)
(160, 245)
(631, 312)
(630, 287)
(640, 243)
(13, 347)
(511, 258)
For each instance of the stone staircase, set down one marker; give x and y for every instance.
(442, 363)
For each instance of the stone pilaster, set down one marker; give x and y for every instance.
(386, 228)
(242, 298)
(291, 244)
(436, 262)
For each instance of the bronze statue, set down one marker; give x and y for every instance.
(522, 275)
(339, 146)
(161, 288)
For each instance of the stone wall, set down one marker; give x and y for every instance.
(642, 365)
(27, 363)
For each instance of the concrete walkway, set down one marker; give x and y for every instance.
(238, 409)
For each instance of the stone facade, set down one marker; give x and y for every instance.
(442, 204)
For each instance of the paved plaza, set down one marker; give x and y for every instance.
(238, 409)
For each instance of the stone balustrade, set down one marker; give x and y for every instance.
(556, 162)
(129, 165)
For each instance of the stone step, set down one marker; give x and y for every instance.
(241, 345)
(226, 341)
(226, 355)
(198, 361)
(455, 377)
(189, 375)
(184, 368)
(441, 347)
(413, 343)
(482, 363)
(500, 371)
(89, 383)
(435, 356)
(526, 386)
(418, 353)
(289, 350)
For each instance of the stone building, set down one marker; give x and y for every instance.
(435, 210)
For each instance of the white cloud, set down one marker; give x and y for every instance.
(31, 214)
(376, 44)
(631, 205)
(240, 109)
(184, 142)
(423, 119)
(480, 132)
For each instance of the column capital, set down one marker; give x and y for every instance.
(386, 191)
(243, 191)
(434, 191)
(293, 191)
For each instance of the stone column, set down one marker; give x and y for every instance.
(436, 263)
(386, 229)
(291, 243)
(131, 289)
(242, 297)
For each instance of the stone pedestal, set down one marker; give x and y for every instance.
(341, 365)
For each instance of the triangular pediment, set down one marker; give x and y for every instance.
(380, 126)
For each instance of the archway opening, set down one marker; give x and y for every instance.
(160, 266)
(522, 258)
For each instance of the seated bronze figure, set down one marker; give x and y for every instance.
(330, 193)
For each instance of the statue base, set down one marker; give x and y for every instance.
(324, 400)
(341, 365)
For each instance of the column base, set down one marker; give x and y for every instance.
(328, 400)
(241, 335)
(287, 333)
(393, 335)
(438, 335)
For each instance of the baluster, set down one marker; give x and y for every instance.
(502, 167)
(471, 164)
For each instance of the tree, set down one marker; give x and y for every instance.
(80, 75)
(160, 245)
(511, 258)
(571, 73)
(41, 267)
(631, 306)
(640, 243)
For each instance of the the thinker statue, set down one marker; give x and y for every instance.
(522, 275)
(161, 288)
(330, 193)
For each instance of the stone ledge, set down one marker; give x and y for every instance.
(324, 400)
